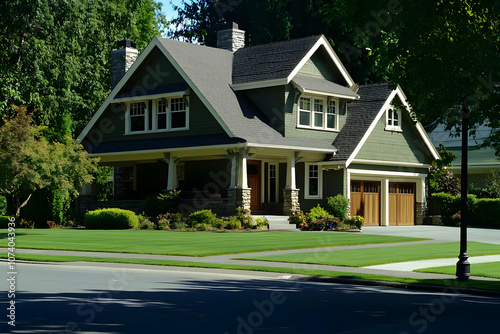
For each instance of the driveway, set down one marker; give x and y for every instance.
(439, 233)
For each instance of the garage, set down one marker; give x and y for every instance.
(401, 203)
(365, 201)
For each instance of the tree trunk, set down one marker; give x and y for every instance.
(18, 211)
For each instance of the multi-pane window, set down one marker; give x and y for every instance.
(137, 116)
(162, 115)
(313, 181)
(317, 113)
(393, 121)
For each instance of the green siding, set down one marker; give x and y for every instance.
(320, 65)
(388, 168)
(271, 101)
(406, 146)
(111, 124)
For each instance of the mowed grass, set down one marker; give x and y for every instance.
(373, 256)
(489, 269)
(447, 283)
(186, 243)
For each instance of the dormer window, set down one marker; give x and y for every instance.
(393, 119)
(164, 114)
(317, 113)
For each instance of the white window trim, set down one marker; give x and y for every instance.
(394, 128)
(326, 106)
(155, 116)
(320, 182)
(276, 165)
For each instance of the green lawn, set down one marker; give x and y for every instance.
(373, 256)
(185, 243)
(448, 283)
(490, 269)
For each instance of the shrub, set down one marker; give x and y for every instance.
(162, 203)
(178, 225)
(337, 206)
(145, 223)
(262, 223)
(4, 222)
(297, 218)
(450, 205)
(25, 224)
(3, 205)
(233, 223)
(318, 213)
(486, 213)
(201, 217)
(245, 217)
(110, 219)
(355, 221)
(219, 224)
(203, 227)
(163, 222)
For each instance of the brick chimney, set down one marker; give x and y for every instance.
(231, 38)
(122, 59)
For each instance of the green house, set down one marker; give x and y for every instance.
(274, 128)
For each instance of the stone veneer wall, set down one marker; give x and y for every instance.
(290, 201)
(121, 61)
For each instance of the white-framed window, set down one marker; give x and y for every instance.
(393, 119)
(318, 113)
(314, 181)
(138, 113)
(273, 183)
(167, 114)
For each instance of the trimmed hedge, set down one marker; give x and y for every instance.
(337, 206)
(3, 205)
(111, 219)
(4, 222)
(483, 212)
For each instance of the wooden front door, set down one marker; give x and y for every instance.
(254, 183)
(365, 201)
(401, 203)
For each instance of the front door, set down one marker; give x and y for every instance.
(254, 183)
(365, 201)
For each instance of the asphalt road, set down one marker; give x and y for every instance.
(107, 298)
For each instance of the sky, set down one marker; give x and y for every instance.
(167, 7)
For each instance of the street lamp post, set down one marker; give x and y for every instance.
(463, 265)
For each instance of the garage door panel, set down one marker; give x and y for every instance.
(365, 201)
(401, 203)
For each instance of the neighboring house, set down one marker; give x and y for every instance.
(482, 160)
(274, 128)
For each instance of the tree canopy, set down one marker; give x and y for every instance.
(56, 55)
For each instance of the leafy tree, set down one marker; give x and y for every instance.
(56, 55)
(441, 178)
(29, 162)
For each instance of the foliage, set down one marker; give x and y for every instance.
(337, 206)
(203, 227)
(110, 219)
(233, 223)
(327, 224)
(262, 223)
(29, 162)
(147, 225)
(245, 217)
(202, 216)
(178, 225)
(486, 213)
(3, 205)
(25, 224)
(450, 205)
(355, 221)
(56, 55)
(441, 178)
(491, 189)
(298, 218)
(104, 186)
(4, 221)
(154, 206)
(163, 222)
(318, 213)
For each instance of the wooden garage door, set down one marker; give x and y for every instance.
(401, 203)
(365, 201)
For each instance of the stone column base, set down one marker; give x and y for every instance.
(290, 201)
(419, 213)
(238, 197)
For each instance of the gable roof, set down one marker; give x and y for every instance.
(362, 118)
(277, 63)
(208, 72)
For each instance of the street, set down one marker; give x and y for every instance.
(107, 298)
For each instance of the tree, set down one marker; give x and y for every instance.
(441, 178)
(29, 162)
(56, 55)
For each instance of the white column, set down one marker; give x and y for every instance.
(384, 192)
(172, 181)
(290, 173)
(242, 170)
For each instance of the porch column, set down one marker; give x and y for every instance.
(238, 192)
(172, 180)
(384, 202)
(290, 193)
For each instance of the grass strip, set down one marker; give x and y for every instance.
(489, 269)
(381, 255)
(446, 283)
(186, 243)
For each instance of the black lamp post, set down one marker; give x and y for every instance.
(463, 266)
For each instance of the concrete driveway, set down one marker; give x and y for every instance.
(440, 233)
